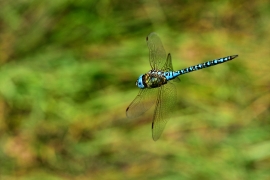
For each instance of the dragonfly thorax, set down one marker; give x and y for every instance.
(152, 79)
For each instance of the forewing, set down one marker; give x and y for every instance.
(165, 104)
(157, 53)
(143, 101)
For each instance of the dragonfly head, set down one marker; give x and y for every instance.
(140, 82)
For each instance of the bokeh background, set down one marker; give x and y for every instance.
(68, 72)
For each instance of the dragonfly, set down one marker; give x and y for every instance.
(157, 87)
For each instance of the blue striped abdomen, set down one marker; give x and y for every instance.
(173, 74)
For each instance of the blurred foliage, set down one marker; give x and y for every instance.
(67, 73)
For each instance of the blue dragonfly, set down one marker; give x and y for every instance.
(156, 87)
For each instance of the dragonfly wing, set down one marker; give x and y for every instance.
(157, 53)
(168, 67)
(143, 101)
(165, 103)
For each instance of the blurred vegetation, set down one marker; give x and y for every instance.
(67, 73)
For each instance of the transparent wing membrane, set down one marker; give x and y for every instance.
(157, 53)
(145, 99)
(165, 103)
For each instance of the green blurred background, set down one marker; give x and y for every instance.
(68, 72)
